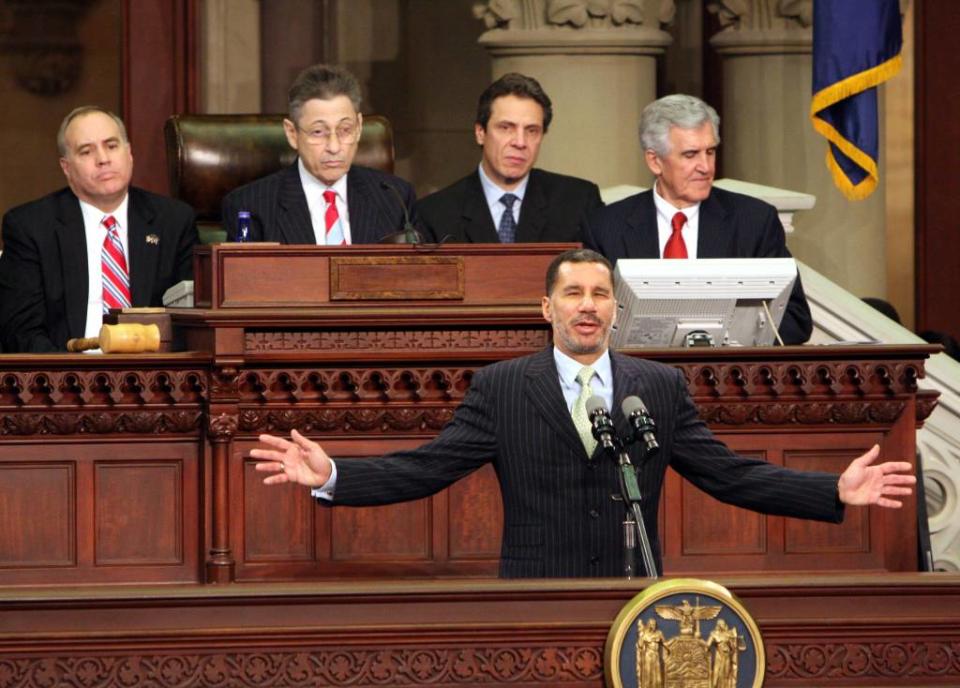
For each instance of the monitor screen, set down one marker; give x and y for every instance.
(707, 301)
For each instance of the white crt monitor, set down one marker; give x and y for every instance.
(706, 301)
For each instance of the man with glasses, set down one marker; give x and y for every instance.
(505, 199)
(323, 198)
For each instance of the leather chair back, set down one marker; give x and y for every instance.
(210, 155)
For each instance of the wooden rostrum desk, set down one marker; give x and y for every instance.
(136, 469)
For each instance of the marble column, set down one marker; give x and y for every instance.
(596, 59)
(766, 47)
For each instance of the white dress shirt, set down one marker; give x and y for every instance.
(313, 189)
(665, 213)
(95, 234)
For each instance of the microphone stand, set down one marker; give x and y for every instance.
(633, 526)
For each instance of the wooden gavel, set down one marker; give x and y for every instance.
(126, 338)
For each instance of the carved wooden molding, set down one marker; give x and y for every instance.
(73, 389)
(396, 340)
(102, 423)
(101, 402)
(823, 662)
(354, 385)
(345, 421)
(803, 380)
(365, 667)
(221, 427)
(883, 662)
(840, 413)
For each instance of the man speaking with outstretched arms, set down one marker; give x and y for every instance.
(527, 416)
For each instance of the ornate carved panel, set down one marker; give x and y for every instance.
(463, 341)
(101, 401)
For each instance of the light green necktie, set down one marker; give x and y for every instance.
(580, 419)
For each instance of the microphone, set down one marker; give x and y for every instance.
(641, 423)
(601, 422)
(409, 234)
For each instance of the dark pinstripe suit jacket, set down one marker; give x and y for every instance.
(731, 226)
(279, 210)
(559, 519)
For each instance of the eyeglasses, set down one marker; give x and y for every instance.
(347, 133)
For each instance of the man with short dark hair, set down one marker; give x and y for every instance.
(506, 199)
(323, 198)
(683, 215)
(99, 244)
(527, 416)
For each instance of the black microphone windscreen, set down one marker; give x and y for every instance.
(594, 404)
(631, 405)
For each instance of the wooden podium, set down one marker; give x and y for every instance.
(135, 469)
(371, 348)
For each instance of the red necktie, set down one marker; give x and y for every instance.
(675, 247)
(334, 226)
(116, 279)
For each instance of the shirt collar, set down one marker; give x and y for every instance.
(312, 185)
(493, 193)
(667, 210)
(569, 368)
(93, 216)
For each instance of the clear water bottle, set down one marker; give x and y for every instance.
(243, 226)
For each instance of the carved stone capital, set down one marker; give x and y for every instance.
(575, 26)
(763, 26)
(526, 15)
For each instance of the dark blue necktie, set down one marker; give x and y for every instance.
(508, 226)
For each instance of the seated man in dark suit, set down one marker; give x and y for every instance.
(513, 116)
(683, 215)
(323, 198)
(528, 416)
(99, 244)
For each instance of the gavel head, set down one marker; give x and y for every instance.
(128, 338)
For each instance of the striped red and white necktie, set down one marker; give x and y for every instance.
(116, 278)
(334, 226)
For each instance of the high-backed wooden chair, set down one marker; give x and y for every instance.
(210, 155)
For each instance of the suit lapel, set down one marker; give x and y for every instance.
(713, 234)
(361, 203)
(622, 384)
(144, 255)
(641, 240)
(533, 210)
(543, 389)
(475, 215)
(72, 239)
(293, 219)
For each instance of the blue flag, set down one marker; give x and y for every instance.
(856, 46)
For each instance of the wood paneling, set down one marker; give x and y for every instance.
(37, 514)
(475, 517)
(143, 498)
(159, 79)
(937, 117)
(854, 630)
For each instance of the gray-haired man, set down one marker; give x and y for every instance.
(683, 216)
